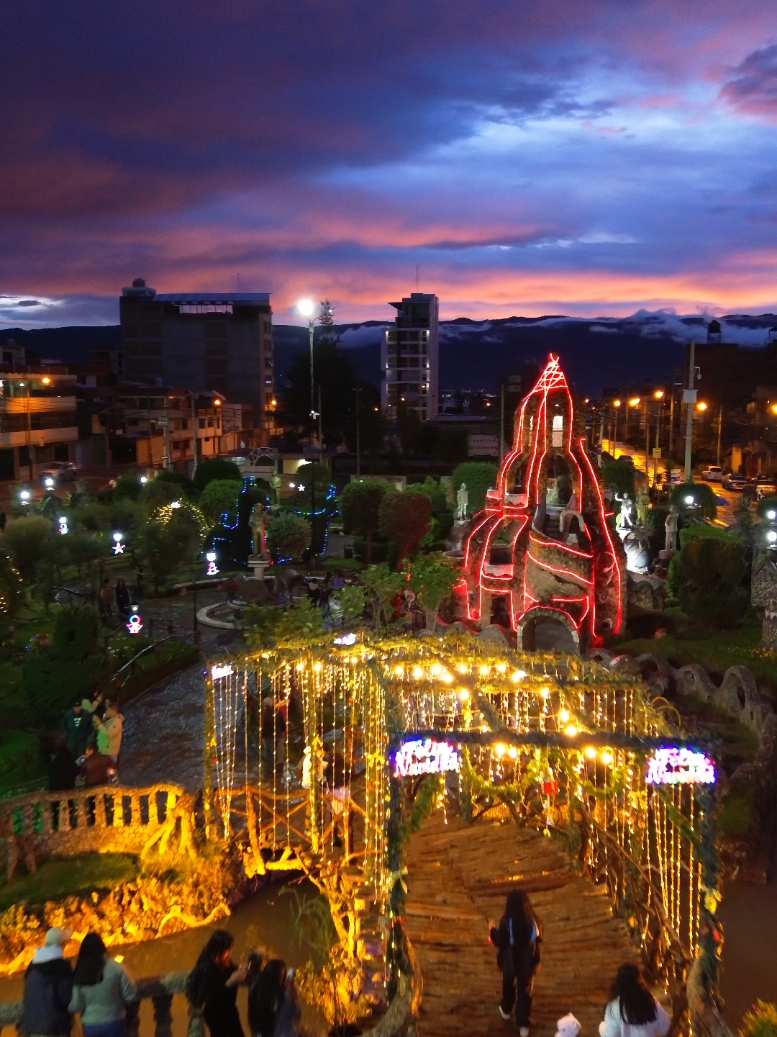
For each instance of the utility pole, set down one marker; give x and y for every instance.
(689, 398)
(647, 442)
(166, 428)
(502, 424)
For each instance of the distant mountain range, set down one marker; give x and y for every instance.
(595, 353)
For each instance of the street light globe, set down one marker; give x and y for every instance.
(144, 478)
(659, 394)
(689, 499)
(634, 402)
(701, 405)
(771, 536)
(210, 556)
(24, 495)
(616, 403)
(117, 537)
(771, 515)
(49, 483)
(306, 307)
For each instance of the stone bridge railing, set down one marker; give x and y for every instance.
(111, 819)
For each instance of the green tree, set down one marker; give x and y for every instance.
(443, 516)
(351, 602)
(695, 498)
(186, 487)
(84, 549)
(405, 519)
(707, 579)
(216, 468)
(335, 378)
(360, 506)
(433, 578)
(302, 621)
(288, 535)
(11, 595)
(220, 498)
(92, 516)
(317, 471)
(479, 476)
(25, 542)
(159, 492)
(619, 477)
(382, 586)
(167, 545)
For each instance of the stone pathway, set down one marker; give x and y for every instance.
(458, 879)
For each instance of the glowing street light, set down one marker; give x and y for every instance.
(118, 546)
(689, 499)
(48, 482)
(771, 515)
(306, 307)
(773, 408)
(24, 496)
(144, 479)
(701, 405)
(659, 394)
(771, 536)
(46, 380)
(616, 403)
(634, 401)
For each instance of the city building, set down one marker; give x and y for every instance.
(410, 358)
(203, 342)
(38, 421)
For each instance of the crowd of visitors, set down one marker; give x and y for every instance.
(100, 990)
(93, 729)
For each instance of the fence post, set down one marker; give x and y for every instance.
(163, 1015)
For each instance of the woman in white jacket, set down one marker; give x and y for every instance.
(632, 1011)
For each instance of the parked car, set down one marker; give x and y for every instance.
(713, 473)
(59, 471)
(732, 481)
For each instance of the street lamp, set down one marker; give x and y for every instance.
(701, 405)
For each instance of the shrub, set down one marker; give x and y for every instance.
(706, 578)
(382, 586)
(405, 519)
(314, 470)
(479, 476)
(351, 601)
(288, 535)
(128, 487)
(216, 468)
(167, 543)
(25, 543)
(760, 1021)
(737, 813)
(703, 496)
(360, 505)
(159, 492)
(302, 621)
(220, 497)
(433, 578)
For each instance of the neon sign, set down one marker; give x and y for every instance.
(218, 672)
(680, 767)
(135, 624)
(425, 756)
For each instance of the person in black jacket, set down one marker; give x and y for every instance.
(78, 726)
(48, 987)
(517, 940)
(212, 985)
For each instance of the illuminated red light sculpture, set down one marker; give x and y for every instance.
(542, 542)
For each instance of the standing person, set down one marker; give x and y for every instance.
(94, 703)
(79, 729)
(106, 600)
(339, 581)
(109, 732)
(122, 600)
(632, 1011)
(212, 985)
(273, 1002)
(517, 940)
(48, 987)
(102, 990)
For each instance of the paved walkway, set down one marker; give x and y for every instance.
(458, 878)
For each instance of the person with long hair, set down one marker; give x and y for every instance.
(273, 1003)
(212, 985)
(517, 940)
(632, 1011)
(102, 990)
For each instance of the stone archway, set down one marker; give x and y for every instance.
(547, 629)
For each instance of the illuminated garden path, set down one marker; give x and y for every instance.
(458, 878)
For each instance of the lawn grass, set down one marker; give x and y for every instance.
(714, 651)
(59, 878)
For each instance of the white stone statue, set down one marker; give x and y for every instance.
(671, 529)
(462, 500)
(624, 521)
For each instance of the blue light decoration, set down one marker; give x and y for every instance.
(679, 766)
(425, 756)
(135, 624)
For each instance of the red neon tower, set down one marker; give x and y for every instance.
(542, 541)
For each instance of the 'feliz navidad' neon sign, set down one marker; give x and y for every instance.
(673, 766)
(425, 756)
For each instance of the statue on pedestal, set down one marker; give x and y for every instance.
(670, 543)
(624, 520)
(462, 500)
(643, 506)
(256, 521)
(276, 482)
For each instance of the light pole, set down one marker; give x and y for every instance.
(308, 309)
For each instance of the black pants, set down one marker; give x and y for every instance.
(223, 1021)
(517, 982)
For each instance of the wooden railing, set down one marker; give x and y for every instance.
(108, 818)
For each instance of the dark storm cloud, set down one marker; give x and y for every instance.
(753, 85)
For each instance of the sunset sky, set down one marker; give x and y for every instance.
(591, 158)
